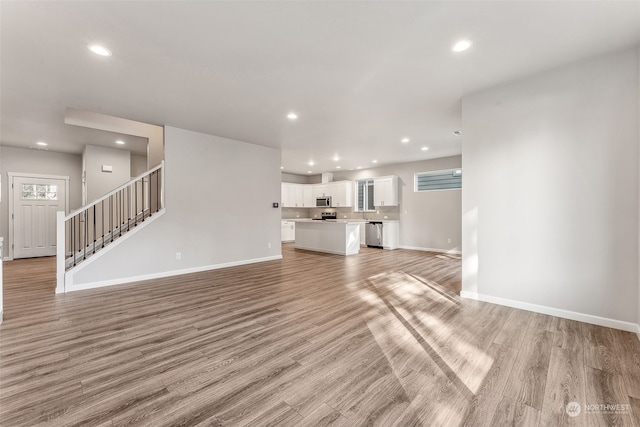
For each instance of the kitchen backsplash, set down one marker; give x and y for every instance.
(391, 212)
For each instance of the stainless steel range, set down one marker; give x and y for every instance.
(327, 215)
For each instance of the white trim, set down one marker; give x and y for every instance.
(444, 251)
(60, 251)
(10, 195)
(566, 314)
(70, 287)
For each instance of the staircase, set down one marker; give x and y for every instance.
(85, 232)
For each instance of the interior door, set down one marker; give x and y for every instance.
(35, 203)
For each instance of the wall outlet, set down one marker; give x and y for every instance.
(448, 240)
(297, 216)
(178, 255)
(405, 212)
(269, 245)
(344, 216)
(385, 217)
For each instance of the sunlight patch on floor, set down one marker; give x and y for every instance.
(406, 324)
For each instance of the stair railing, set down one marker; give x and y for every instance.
(94, 226)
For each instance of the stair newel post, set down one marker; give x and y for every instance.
(136, 201)
(94, 229)
(86, 233)
(61, 250)
(143, 199)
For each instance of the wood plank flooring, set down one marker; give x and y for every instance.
(380, 338)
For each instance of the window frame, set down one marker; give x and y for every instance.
(435, 172)
(365, 195)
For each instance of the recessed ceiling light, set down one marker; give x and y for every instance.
(99, 50)
(374, 161)
(292, 116)
(281, 167)
(311, 163)
(424, 148)
(462, 45)
(120, 142)
(309, 171)
(338, 167)
(457, 132)
(405, 140)
(359, 167)
(336, 158)
(42, 143)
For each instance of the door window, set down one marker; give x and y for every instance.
(39, 192)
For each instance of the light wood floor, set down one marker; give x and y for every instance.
(380, 338)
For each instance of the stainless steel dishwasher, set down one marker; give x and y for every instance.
(373, 234)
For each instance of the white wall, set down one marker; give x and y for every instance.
(296, 179)
(550, 197)
(427, 219)
(37, 162)
(100, 183)
(138, 165)
(219, 196)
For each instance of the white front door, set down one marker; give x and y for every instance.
(35, 203)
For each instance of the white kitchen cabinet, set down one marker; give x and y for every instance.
(308, 201)
(304, 195)
(390, 234)
(385, 191)
(320, 190)
(288, 231)
(292, 195)
(341, 194)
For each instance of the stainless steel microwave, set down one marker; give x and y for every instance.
(323, 202)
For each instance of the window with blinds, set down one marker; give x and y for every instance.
(365, 195)
(449, 179)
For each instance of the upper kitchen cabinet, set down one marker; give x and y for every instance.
(341, 194)
(308, 201)
(297, 196)
(291, 195)
(320, 190)
(385, 191)
(304, 195)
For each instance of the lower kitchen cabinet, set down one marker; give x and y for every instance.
(288, 231)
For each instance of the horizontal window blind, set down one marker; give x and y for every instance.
(438, 180)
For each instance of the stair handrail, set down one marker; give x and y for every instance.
(111, 193)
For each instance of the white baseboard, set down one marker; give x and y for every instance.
(566, 314)
(71, 287)
(443, 251)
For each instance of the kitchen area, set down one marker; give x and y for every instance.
(339, 217)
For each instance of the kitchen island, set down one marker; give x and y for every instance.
(341, 237)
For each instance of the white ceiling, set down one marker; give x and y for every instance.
(360, 75)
